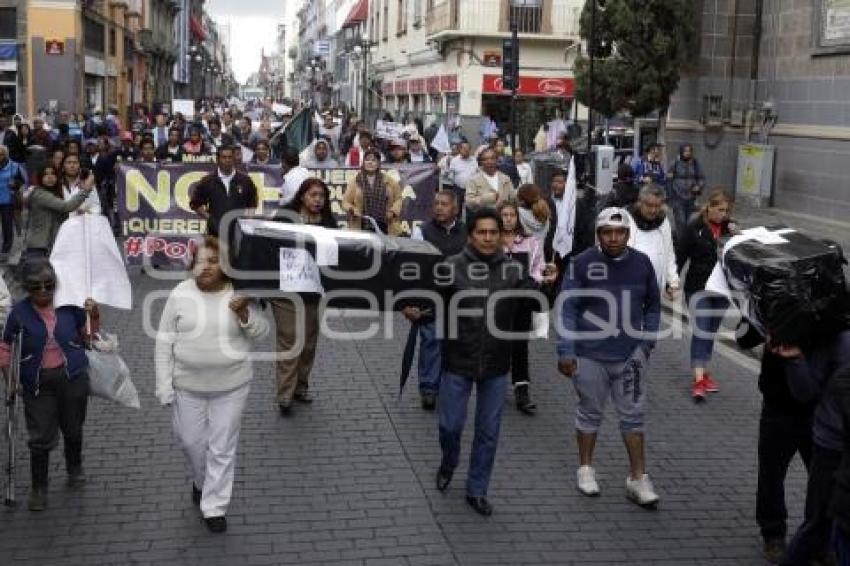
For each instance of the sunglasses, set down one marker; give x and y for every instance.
(40, 286)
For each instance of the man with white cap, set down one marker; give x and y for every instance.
(416, 153)
(610, 314)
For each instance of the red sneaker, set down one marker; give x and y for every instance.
(698, 391)
(709, 384)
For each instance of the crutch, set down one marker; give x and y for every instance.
(12, 379)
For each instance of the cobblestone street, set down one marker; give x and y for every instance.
(348, 480)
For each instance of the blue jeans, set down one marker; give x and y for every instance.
(841, 546)
(430, 358)
(454, 397)
(702, 346)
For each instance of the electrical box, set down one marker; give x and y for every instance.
(603, 157)
(754, 179)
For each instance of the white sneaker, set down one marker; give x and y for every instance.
(641, 491)
(586, 481)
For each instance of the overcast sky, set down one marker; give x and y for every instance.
(254, 27)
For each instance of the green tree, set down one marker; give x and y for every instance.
(640, 48)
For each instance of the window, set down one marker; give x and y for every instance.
(417, 13)
(832, 32)
(94, 34)
(8, 23)
(386, 32)
(528, 15)
(400, 19)
(112, 41)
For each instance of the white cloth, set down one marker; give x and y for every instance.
(201, 345)
(92, 203)
(658, 246)
(562, 243)
(526, 175)
(291, 182)
(88, 264)
(207, 427)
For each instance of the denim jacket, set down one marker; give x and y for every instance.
(68, 334)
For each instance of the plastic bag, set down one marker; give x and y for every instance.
(109, 376)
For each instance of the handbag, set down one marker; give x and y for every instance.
(109, 376)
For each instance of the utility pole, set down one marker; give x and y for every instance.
(588, 167)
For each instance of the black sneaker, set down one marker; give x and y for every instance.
(444, 478)
(216, 524)
(774, 550)
(480, 504)
(76, 477)
(523, 400)
(429, 400)
(37, 500)
(196, 494)
(285, 408)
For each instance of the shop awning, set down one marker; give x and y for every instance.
(197, 28)
(358, 14)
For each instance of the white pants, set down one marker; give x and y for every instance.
(207, 427)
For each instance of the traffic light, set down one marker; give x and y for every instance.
(510, 64)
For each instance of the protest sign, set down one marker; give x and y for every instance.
(157, 223)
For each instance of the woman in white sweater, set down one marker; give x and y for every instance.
(203, 369)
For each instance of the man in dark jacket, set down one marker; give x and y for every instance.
(473, 351)
(223, 191)
(447, 234)
(172, 150)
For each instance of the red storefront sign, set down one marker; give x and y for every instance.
(433, 84)
(388, 88)
(417, 86)
(551, 87)
(448, 83)
(401, 87)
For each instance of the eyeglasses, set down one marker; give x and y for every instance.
(33, 286)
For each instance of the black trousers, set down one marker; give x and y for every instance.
(59, 405)
(812, 539)
(781, 436)
(519, 348)
(7, 219)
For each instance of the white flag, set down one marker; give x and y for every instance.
(441, 140)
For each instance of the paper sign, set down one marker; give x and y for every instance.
(441, 141)
(298, 272)
(388, 130)
(184, 106)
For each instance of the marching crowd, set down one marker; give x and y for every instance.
(610, 257)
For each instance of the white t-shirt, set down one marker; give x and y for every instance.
(92, 203)
(493, 180)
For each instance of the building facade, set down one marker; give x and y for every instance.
(12, 65)
(444, 57)
(157, 39)
(781, 64)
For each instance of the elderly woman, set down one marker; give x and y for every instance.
(203, 368)
(53, 374)
(375, 194)
(310, 205)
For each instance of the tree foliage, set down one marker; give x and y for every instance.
(640, 47)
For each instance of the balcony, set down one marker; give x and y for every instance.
(535, 19)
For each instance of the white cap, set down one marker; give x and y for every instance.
(613, 217)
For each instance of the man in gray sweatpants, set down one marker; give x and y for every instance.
(610, 313)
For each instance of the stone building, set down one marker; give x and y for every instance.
(764, 62)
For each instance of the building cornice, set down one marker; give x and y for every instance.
(810, 131)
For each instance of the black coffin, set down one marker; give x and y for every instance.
(789, 287)
(371, 263)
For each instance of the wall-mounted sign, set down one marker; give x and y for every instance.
(492, 59)
(54, 47)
